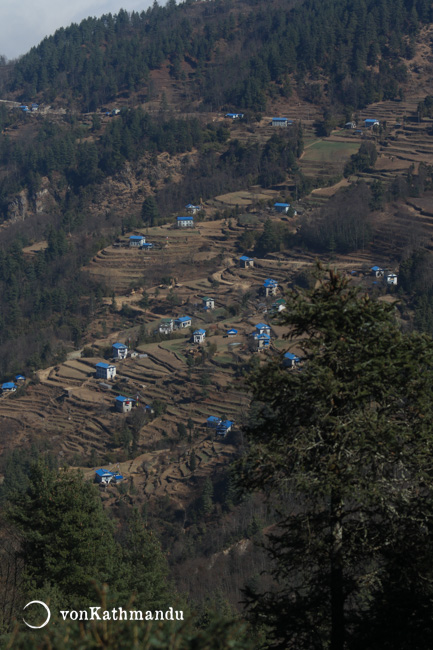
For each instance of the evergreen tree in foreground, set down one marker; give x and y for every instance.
(344, 443)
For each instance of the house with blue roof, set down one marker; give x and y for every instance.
(290, 360)
(123, 404)
(232, 332)
(137, 241)
(192, 209)
(282, 208)
(182, 322)
(105, 477)
(234, 116)
(213, 422)
(9, 387)
(147, 246)
(262, 328)
(246, 262)
(281, 121)
(119, 351)
(224, 427)
(20, 378)
(199, 336)
(105, 370)
(370, 123)
(377, 271)
(270, 287)
(34, 107)
(185, 222)
(263, 341)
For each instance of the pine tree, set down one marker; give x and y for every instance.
(342, 442)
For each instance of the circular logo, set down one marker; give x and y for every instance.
(38, 602)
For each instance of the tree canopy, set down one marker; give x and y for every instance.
(342, 445)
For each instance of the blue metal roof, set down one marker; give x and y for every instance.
(244, 258)
(9, 385)
(119, 346)
(281, 205)
(183, 319)
(376, 268)
(137, 237)
(200, 331)
(104, 365)
(281, 119)
(18, 377)
(121, 398)
(185, 218)
(270, 283)
(104, 472)
(291, 356)
(261, 326)
(213, 418)
(233, 331)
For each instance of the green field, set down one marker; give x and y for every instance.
(328, 151)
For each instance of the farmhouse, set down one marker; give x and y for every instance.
(281, 121)
(377, 271)
(192, 209)
(185, 222)
(166, 326)
(246, 262)
(391, 278)
(105, 370)
(199, 336)
(234, 116)
(263, 341)
(137, 241)
(224, 427)
(282, 208)
(370, 123)
(9, 387)
(270, 287)
(182, 322)
(104, 476)
(123, 404)
(262, 328)
(213, 422)
(119, 351)
(290, 360)
(20, 378)
(232, 332)
(208, 303)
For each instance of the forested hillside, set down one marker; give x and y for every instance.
(227, 53)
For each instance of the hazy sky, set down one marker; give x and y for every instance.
(24, 23)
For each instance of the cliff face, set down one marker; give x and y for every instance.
(22, 206)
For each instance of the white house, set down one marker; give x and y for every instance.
(185, 222)
(224, 427)
(182, 322)
(192, 209)
(123, 404)
(270, 287)
(232, 332)
(278, 305)
(263, 341)
(105, 477)
(137, 241)
(119, 351)
(9, 387)
(282, 208)
(208, 303)
(391, 278)
(166, 326)
(377, 271)
(281, 121)
(105, 370)
(199, 336)
(262, 328)
(246, 262)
